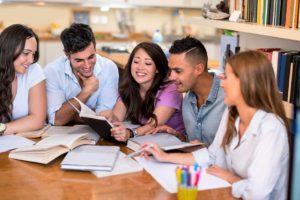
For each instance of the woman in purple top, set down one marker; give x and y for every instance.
(146, 98)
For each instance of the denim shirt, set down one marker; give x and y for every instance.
(202, 124)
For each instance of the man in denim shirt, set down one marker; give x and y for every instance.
(203, 104)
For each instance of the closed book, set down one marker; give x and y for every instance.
(295, 89)
(165, 141)
(123, 165)
(90, 157)
(97, 123)
(50, 148)
(287, 70)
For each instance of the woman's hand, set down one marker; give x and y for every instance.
(223, 174)
(170, 130)
(165, 129)
(152, 148)
(120, 132)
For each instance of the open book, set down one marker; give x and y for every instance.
(90, 157)
(49, 130)
(98, 123)
(166, 142)
(123, 165)
(50, 148)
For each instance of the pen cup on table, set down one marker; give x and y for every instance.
(187, 181)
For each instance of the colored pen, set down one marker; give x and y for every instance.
(139, 151)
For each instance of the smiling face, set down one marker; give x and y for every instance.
(143, 68)
(231, 85)
(26, 58)
(182, 72)
(83, 62)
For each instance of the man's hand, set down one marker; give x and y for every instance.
(89, 85)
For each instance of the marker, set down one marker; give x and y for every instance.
(139, 151)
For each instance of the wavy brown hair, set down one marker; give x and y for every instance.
(258, 88)
(12, 43)
(129, 89)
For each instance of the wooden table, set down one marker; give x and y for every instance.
(25, 180)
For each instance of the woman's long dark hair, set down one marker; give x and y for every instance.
(129, 89)
(12, 43)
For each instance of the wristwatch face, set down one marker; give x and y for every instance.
(2, 127)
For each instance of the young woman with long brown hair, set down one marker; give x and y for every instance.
(251, 147)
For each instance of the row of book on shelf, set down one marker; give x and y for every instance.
(286, 65)
(272, 12)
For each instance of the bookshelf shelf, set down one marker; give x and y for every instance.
(266, 30)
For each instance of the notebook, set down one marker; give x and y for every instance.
(90, 157)
(166, 142)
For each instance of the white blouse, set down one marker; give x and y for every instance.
(33, 75)
(261, 159)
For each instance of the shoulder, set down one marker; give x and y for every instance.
(105, 64)
(270, 125)
(35, 69)
(56, 65)
(169, 88)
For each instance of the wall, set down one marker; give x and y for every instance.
(169, 20)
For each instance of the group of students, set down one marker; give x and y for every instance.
(239, 114)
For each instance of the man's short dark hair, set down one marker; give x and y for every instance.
(77, 37)
(194, 50)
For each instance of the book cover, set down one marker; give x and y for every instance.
(286, 77)
(50, 148)
(97, 123)
(228, 47)
(295, 89)
(90, 157)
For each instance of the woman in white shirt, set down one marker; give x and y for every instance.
(251, 147)
(22, 88)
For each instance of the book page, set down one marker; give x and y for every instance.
(68, 140)
(162, 139)
(34, 134)
(9, 142)
(85, 110)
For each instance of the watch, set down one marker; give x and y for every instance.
(2, 128)
(133, 132)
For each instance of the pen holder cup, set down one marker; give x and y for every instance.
(187, 192)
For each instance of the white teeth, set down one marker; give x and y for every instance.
(140, 74)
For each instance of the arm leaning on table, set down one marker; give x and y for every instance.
(36, 116)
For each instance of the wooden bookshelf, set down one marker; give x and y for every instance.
(266, 30)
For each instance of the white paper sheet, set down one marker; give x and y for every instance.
(164, 174)
(123, 166)
(9, 142)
